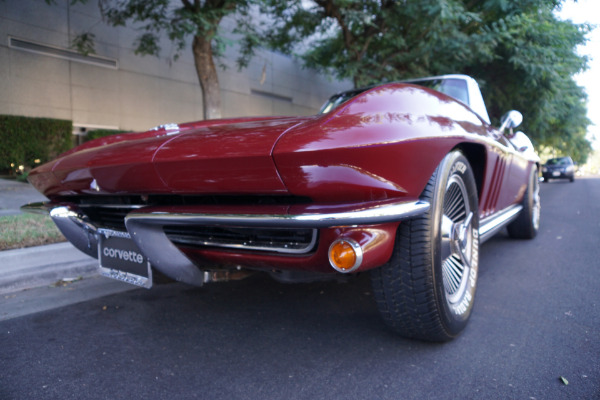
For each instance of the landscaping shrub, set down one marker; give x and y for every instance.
(27, 142)
(98, 133)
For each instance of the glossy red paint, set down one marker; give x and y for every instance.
(224, 159)
(362, 151)
(366, 150)
(163, 130)
(198, 158)
(112, 168)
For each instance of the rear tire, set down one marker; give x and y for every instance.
(426, 290)
(527, 224)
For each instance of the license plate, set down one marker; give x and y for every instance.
(556, 173)
(121, 259)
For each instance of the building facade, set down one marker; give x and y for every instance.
(41, 76)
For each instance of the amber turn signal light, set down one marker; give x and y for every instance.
(345, 255)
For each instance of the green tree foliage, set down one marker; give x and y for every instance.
(180, 21)
(521, 54)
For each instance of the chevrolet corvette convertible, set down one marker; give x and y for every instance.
(402, 181)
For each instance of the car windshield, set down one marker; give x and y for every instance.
(340, 98)
(456, 88)
(559, 161)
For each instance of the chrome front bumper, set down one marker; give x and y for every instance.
(146, 227)
(72, 223)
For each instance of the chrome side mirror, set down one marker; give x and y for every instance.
(511, 120)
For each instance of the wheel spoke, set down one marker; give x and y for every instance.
(452, 273)
(452, 196)
(454, 203)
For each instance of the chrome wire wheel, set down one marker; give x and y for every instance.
(457, 240)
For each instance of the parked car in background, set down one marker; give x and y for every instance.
(559, 168)
(403, 181)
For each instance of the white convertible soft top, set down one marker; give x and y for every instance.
(472, 97)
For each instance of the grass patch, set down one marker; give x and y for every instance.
(27, 230)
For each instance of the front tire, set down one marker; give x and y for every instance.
(426, 290)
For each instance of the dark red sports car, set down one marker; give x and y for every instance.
(402, 180)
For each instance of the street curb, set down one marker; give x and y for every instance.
(43, 265)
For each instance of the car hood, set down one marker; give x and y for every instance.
(231, 156)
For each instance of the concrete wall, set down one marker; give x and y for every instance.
(141, 92)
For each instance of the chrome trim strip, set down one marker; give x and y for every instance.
(123, 206)
(37, 208)
(45, 207)
(373, 215)
(235, 246)
(491, 225)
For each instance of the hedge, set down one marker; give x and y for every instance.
(25, 140)
(98, 133)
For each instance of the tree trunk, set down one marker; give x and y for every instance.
(207, 75)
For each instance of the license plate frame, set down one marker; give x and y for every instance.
(120, 258)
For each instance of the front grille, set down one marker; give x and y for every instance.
(280, 240)
(109, 212)
(110, 217)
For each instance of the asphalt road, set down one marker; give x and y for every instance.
(536, 319)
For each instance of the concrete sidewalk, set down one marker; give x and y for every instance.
(43, 278)
(14, 194)
(28, 277)
(43, 265)
(36, 266)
